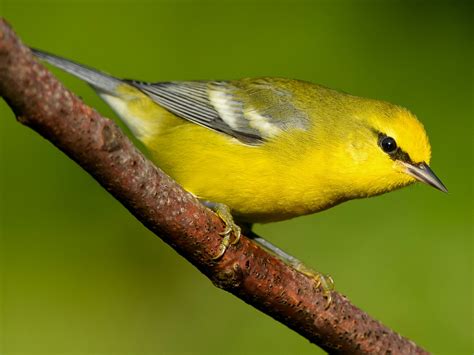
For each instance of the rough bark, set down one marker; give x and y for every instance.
(250, 273)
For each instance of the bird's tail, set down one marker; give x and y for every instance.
(100, 81)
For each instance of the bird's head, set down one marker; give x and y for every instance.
(391, 148)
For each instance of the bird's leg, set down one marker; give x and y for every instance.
(324, 281)
(321, 280)
(223, 212)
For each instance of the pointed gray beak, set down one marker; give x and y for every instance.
(423, 173)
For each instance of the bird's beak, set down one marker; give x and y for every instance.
(423, 173)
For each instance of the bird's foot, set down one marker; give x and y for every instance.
(231, 228)
(325, 282)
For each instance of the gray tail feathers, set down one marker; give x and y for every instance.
(97, 79)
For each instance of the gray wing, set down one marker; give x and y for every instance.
(250, 111)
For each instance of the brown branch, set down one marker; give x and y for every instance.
(98, 146)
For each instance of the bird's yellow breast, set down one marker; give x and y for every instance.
(260, 184)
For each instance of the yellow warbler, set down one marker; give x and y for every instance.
(268, 149)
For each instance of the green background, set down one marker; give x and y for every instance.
(81, 276)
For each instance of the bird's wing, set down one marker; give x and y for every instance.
(250, 110)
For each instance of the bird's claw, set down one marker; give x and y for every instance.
(231, 228)
(223, 246)
(325, 282)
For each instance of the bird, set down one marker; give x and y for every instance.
(259, 150)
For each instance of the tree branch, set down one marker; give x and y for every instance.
(250, 273)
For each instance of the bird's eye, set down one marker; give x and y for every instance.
(388, 145)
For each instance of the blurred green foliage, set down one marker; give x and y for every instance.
(81, 276)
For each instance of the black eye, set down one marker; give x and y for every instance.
(388, 144)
